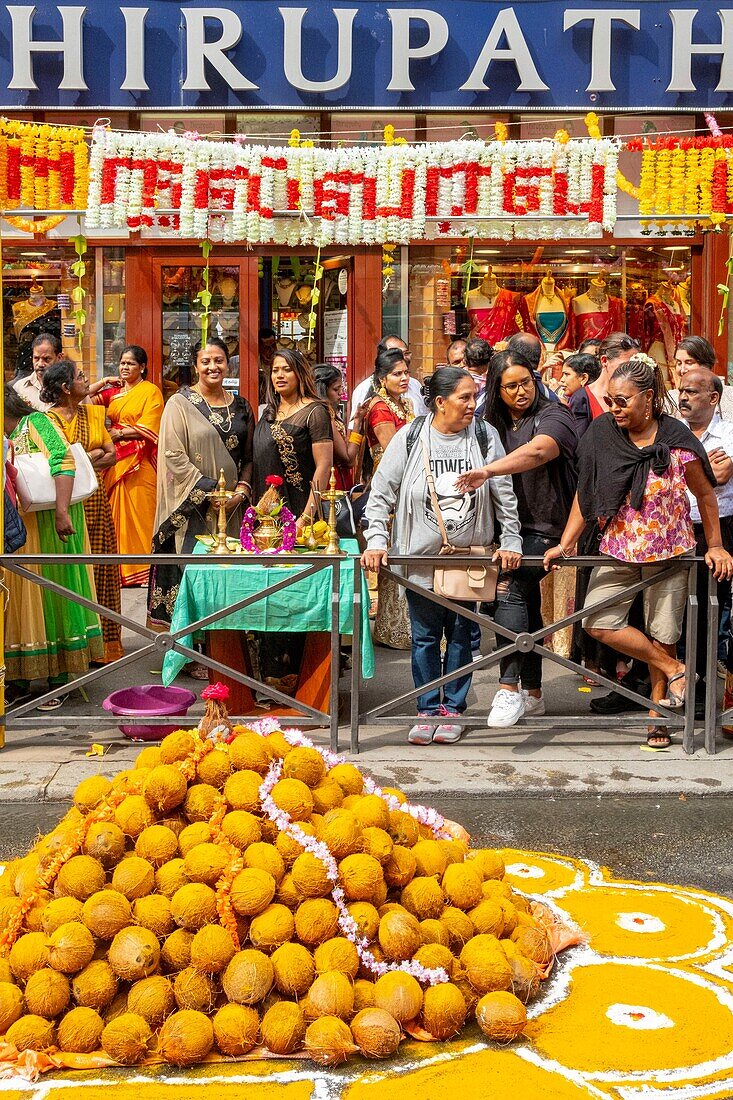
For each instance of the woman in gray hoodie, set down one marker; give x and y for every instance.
(449, 438)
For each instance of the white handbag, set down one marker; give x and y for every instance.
(36, 484)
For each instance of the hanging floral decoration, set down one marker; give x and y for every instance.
(42, 167)
(204, 295)
(79, 269)
(395, 193)
(686, 177)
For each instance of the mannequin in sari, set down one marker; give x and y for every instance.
(134, 407)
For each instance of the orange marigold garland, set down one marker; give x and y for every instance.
(224, 883)
(48, 876)
(42, 167)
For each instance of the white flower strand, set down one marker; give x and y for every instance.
(367, 195)
(317, 848)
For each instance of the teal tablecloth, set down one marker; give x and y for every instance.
(302, 606)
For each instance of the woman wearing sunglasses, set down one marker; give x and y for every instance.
(634, 467)
(540, 438)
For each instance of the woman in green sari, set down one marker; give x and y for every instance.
(48, 637)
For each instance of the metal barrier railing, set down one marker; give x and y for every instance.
(382, 713)
(532, 641)
(161, 642)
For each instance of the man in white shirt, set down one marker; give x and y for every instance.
(45, 350)
(361, 392)
(699, 399)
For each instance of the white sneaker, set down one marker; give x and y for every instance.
(477, 655)
(422, 732)
(532, 705)
(506, 710)
(447, 733)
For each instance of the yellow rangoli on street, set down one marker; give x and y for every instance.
(643, 1009)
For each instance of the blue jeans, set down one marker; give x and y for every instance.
(429, 623)
(519, 608)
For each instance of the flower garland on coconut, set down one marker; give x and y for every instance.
(269, 526)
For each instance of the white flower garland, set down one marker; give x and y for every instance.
(422, 814)
(393, 193)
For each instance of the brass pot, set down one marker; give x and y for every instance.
(267, 534)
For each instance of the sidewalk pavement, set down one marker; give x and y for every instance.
(576, 756)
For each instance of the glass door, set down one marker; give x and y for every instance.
(181, 319)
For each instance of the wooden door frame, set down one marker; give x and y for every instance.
(143, 285)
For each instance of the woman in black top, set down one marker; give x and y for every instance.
(540, 439)
(293, 438)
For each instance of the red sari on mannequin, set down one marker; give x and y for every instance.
(665, 324)
(492, 311)
(595, 313)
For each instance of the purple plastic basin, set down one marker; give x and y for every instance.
(149, 699)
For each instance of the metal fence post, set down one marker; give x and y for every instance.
(335, 652)
(356, 661)
(711, 663)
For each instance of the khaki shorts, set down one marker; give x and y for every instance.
(664, 602)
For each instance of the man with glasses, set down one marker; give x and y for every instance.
(414, 389)
(45, 350)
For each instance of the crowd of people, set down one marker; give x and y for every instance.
(517, 458)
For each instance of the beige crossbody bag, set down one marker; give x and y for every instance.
(470, 582)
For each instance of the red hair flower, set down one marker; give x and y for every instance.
(218, 691)
(275, 480)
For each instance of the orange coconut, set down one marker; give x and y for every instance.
(294, 969)
(501, 1016)
(248, 978)
(398, 994)
(376, 1033)
(127, 1039)
(235, 1029)
(152, 998)
(443, 1011)
(95, 986)
(134, 953)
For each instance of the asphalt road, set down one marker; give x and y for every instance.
(684, 841)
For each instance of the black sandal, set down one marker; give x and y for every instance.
(660, 735)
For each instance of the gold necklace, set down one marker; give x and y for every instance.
(216, 417)
(289, 412)
(402, 407)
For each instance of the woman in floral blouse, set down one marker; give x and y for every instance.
(635, 465)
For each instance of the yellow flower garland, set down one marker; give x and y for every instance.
(42, 167)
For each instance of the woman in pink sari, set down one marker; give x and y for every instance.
(134, 408)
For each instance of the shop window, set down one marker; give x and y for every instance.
(368, 129)
(563, 293)
(210, 125)
(287, 306)
(111, 310)
(651, 126)
(537, 126)
(182, 317)
(276, 127)
(471, 126)
(36, 289)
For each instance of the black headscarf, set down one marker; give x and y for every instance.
(610, 466)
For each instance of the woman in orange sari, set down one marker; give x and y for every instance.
(134, 408)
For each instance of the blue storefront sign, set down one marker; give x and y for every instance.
(439, 54)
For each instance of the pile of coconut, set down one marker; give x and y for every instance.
(169, 918)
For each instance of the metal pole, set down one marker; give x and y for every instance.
(688, 734)
(335, 652)
(711, 662)
(3, 589)
(356, 644)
